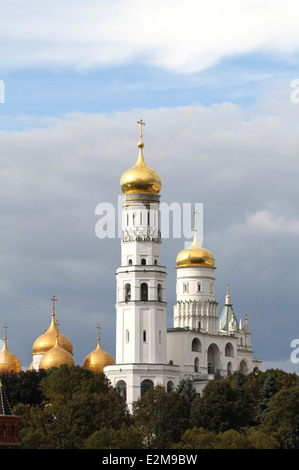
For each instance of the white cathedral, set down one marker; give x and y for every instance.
(198, 346)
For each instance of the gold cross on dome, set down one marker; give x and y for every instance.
(53, 300)
(141, 124)
(195, 222)
(98, 328)
(5, 328)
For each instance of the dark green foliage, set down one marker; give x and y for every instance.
(24, 387)
(161, 417)
(221, 407)
(73, 408)
(187, 390)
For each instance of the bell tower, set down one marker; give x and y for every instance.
(141, 344)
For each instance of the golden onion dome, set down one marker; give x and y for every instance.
(56, 356)
(195, 255)
(140, 178)
(8, 361)
(47, 340)
(98, 359)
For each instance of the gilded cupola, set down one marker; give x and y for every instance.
(56, 356)
(48, 339)
(98, 359)
(140, 178)
(8, 361)
(195, 255)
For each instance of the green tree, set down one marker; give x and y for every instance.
(109, 438)
(62, 383)
(24, 387)
(269, 389)
(84, 414)
(231, 439)
(187, 390)
(282, 418)
(221, 408)
(160, 417)
(196, 438)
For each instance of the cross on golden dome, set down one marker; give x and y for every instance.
(98, 328)
(5, 328)
(195, 219)
(141, 124)
(53, 300)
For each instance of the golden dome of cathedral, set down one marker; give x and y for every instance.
(47, 340)
(56, 356)
(140, 178)
(98, 359)
(195, 255)
(8, 361)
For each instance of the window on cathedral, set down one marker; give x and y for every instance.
(144, 336)
(121, 388)
(170, 386)
(199, 287)
(196, 345)
(127, 336)
(146, 385)
(143, 261)
(144, 291)
(156, 262)
(160, 337)
(196, 364)
(229, 350)
(127, 292)
(148, 218)
(159, 292)
(130, 262)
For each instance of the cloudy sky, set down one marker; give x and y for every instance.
(217, 84)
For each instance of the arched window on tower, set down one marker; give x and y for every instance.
(144, 336)
(159, 293)
(130, 262)
(143, 261)
(127, 292)
(144, 291)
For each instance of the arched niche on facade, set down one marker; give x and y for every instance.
(213, 358)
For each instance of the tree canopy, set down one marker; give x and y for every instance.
(73, 408)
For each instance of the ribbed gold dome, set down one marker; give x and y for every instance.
(8, 361)
(47, 340)
(98, 359)
(195, 255)
(140, 178)
(56, 356)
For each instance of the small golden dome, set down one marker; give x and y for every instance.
(56, 356)
(195, 255)
(8, 361)
(47, 340)
(140, 178)
(98, 359)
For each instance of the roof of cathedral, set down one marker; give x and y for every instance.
(48, 339)
(8, 361)
(227, 317)
(195, 255)
(56, 356)
(4, 404)
(140, 178)
(98, 359)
